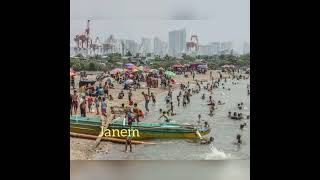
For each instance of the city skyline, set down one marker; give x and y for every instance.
(211, 21)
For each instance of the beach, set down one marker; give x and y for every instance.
(83, 149)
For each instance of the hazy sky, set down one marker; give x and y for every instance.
(211, 20)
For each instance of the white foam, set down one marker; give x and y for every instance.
(217, 154)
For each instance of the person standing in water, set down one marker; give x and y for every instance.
(171, 107)
(97, 103)
(239, 141)
(104, 107)
(137, 112)
(90, 102)
(188, 96)
(153, 98)
(203, 96)
(75, 100)
(83, 106)
(178, 99)
(147, 99)
(184, 100)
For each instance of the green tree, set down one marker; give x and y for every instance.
(92, 66)
(128, 54)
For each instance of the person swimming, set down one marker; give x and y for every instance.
(160, 110)
(242, 126)
(220, 103)
(203, 96)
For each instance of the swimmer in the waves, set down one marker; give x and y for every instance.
(242, 126)
(220, 103)
(203, 96)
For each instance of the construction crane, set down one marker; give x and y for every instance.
(83, 38)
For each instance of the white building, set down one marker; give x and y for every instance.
(157, 46)
(226, 47)
(146, 45)
(216, 47)
(177, 42)
(131, 45)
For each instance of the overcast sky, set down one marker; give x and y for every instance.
(211, 20)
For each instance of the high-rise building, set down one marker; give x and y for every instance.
(216, 47)
(157, 46)
(205, 50)
(246, 48)
(177, 42)
(164, 49)
(146, 45)
(132, 46)
(226, 47)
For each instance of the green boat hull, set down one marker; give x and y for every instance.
(92, 126)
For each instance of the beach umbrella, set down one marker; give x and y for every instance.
(116, 70)
(170, 73)
(129, 65)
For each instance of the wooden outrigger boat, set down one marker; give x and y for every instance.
(92, 126)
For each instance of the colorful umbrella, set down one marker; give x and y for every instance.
(116, 70)
(170, 73)
(129, 65)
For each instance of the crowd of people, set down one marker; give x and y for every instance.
(93, 98)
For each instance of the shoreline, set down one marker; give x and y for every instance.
(82, 149)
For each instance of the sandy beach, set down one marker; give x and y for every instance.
(82, 149)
